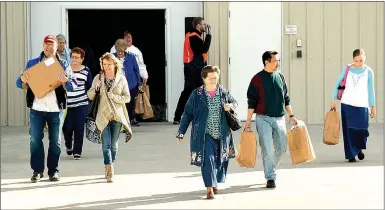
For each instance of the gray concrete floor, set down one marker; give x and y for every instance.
(153, 171)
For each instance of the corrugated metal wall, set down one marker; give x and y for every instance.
(330, 31)
(13, 57)
(216, 14)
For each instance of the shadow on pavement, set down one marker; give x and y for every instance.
(53, 184)
(156, 199)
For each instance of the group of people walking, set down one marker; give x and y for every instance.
(65, 109)
(204, 104)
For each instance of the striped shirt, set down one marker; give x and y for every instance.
(79, 96)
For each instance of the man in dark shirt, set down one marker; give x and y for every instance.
(195, 59)
(268, 98)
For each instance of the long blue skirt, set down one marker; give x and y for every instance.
(355, 125)
(213, 171)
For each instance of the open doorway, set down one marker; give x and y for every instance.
(96, 30)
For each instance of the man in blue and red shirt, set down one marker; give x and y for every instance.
(268, 97)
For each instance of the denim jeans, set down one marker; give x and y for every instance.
(38, 120)
(110, 140)
(272, 133)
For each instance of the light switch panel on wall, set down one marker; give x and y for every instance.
(299, 43)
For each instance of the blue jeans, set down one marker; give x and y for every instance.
(38, 120)
(110, 140)
(271, 132)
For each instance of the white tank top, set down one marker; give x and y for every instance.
(356, 90)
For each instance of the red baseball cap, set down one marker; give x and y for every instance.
(49, 38)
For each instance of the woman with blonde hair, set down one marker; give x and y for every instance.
(355, 89)
(112, 116)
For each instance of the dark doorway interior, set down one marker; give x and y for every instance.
(97, 30)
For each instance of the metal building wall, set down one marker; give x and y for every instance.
(330, 31)
(216, 14)
(13, 57)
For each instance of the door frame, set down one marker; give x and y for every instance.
(167, 9)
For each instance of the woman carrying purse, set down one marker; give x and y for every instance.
(212, 144)
(112, 116)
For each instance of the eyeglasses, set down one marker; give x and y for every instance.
(75, 57)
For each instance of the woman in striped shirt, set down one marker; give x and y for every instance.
(77, 103)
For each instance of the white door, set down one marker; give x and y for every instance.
(254, 27)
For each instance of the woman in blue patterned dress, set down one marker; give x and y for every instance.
(211, 142)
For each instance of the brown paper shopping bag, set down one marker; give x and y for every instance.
(331, 134)
(247, 149)
(301, 148)
(148, 113)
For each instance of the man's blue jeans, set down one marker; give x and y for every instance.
(110, 141)
(38, 120)
(272, 133)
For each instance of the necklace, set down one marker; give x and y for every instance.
(356, 78)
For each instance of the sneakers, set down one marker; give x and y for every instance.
(270, 184)
(77, 157)
(176, 122)
(69, 151)
(54, 177)
(36, 177)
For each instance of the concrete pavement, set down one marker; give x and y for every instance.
(153, 171)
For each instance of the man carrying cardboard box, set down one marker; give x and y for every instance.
(48, 109)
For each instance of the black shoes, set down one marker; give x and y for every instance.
(353, 160)
(175, 122)
(69, 151)
(77, 157)
(270, 184)
(54, 177)
(361, 155)
(135, 123)
(36, 177)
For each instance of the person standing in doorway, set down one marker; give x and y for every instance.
(268, 97)
(137, 53)
(77, 103)
(62, 50)
(131, 71)
(48, 109)
(194, 59)
(356, 100)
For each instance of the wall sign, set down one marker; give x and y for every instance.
(290, 29)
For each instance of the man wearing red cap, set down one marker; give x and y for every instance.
(48, 109)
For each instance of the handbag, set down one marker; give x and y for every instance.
(232, 117)
(93, 134)
(341, 87)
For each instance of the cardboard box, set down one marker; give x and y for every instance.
(43, 77)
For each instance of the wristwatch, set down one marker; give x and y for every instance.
(291, 116)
